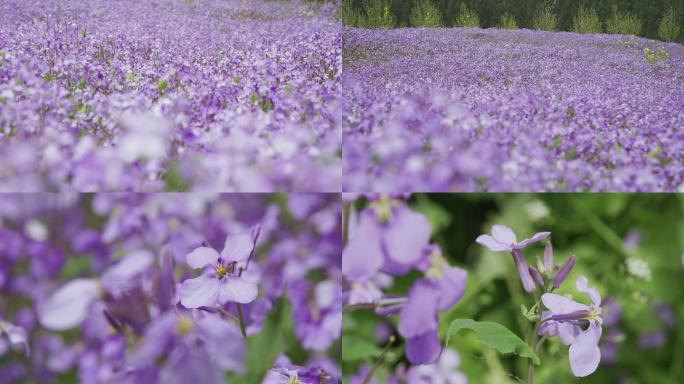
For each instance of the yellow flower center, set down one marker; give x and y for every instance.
(437, 264)
(220, 270)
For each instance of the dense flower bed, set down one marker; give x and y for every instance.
(494, 110)
(169, 94)
(170, 288)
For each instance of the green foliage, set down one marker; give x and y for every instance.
(587, 21)
(495, 336)
(350, 16)
(358, 348)
(545, 20)
(426, 14)
(264, 347)
(654, 57)
(467, 18)
(623, 23)
(161, 87)
(668, 29)
(508, 21)
(378, 14)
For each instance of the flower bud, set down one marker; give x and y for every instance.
(564, 271)
(536, 276)
(548, 257)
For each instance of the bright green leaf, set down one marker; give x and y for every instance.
(357, 348)
(495, 336)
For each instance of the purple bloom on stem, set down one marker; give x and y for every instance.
(565, 318)
(503, 239)
(563, 272)
(222, 280)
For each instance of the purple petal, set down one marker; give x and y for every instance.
(362, 257)
(451, 287)
(560, 305)
(201, 257)
(533, 239)
(406, 236)
(523, 271)
(583, 286)
(424, 348)
(223, 342)
(585, 354)
(492, 244)
(503, 234)
(68, 306)
(201, 291)
(238, 290)
(118, 276)
(419, 315)
(238, 248)
(568, 332)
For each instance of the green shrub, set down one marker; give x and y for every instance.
(350, 16)
(586, 21)
(623, 23)
(467, 18)
(378, 14)
(425, 14)
(545, 20)
(508, 21)
(668, 29)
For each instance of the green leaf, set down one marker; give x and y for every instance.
(357, 348)
(161, 86)
(495, 336)
(264, 347)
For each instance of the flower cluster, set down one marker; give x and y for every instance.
(173, 95)
(387, 239)
(577, 324)
(130, 288)
(495, 110)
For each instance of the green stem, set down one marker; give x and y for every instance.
(379, 361)
(242, 321)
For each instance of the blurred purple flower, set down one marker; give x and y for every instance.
(444, 371)
(12, 336)
(221, 280)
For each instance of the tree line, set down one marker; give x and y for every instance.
(648, 18)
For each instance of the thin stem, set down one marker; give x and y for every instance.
(530, 372)
(229, 315)
(242, 320)
(379, 361)
(358, 307)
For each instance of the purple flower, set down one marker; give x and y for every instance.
(221, 280)
(503, 239)
(418, 324)
(11, 336)
(566, 318)
(316, 313)
(68, 306)
(444, 371)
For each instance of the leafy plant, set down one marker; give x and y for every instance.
(623, 23)
(668, 29)
(377, 14)
(586, 21)
(467, 18)
(508, 21)
(426, 14)
(545, 20)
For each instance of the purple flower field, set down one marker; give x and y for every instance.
(157, 95)
(170, 288)
(493, 110)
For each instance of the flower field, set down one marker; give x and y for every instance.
(457, 109)
(170, 288)
(169, 95)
